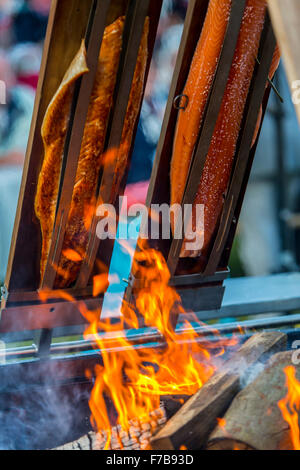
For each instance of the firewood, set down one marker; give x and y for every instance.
(137, 438)
(254, 420)
(194, 422)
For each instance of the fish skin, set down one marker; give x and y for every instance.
(197, 88)
(53, 133)
(218, 166)
(91, 157)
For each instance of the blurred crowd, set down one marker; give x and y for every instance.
(22, 30)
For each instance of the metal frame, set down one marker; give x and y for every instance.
(210, 293)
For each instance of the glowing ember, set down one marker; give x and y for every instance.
(222, 423)
(290, 405)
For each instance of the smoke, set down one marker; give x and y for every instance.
(41, 416)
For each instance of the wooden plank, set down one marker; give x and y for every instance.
(285, 17)
(66, 28)
(193, 423)
(46, 316)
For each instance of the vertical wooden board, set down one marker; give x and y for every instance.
(285, 15)
(66, 28)
(117, 8)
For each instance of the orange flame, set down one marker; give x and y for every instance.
(290, 405)
(134, 378)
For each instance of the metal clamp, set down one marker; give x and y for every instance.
(177, 102)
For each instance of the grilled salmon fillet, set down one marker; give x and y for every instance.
(219, 161)
(91, 154)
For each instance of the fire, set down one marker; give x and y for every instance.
(290, 405)
(133, 378)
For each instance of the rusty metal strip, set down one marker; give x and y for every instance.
(210, 119)
(255, 99)
(83, 92)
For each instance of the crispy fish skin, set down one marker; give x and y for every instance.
(218, 166)
(199, 81)
(53, 132)
(91, 158)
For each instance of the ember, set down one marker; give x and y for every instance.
(135, 378)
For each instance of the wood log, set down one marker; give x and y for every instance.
(254, 420)
(194, 422)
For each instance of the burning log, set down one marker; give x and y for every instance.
(254, 420)
(194, 422)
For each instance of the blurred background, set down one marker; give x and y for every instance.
(268, 239)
